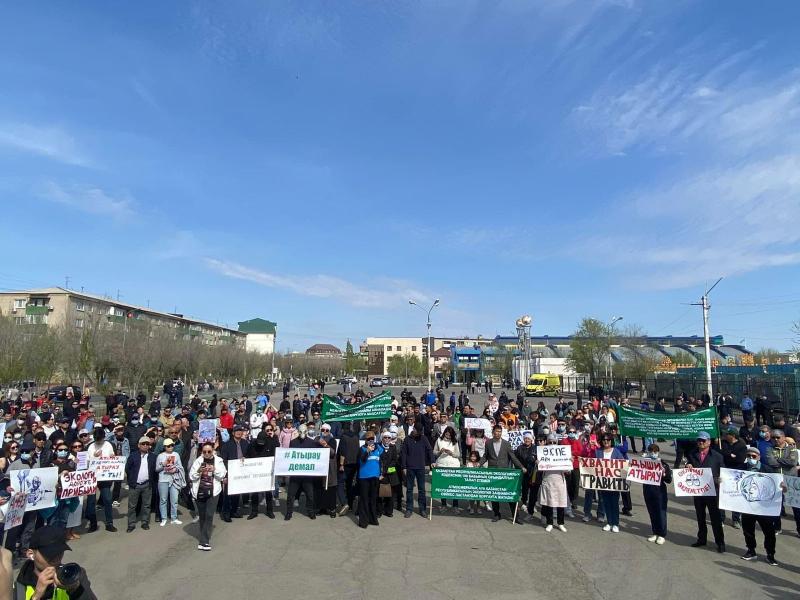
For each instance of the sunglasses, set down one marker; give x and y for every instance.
(77, 446)
(145, 444)
(13, 447)
(169, 445)
(64, 449)
(208, 452)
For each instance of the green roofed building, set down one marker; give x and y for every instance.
(260, 335)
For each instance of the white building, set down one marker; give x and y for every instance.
(380, 349)
(260, 335)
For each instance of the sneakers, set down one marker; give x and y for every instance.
(110, 527)
(195, 519)
(549, 528)
(407, 514)
(771, 560)
(615, 529)
(606, 527)
(652, 538)
(736, 525)
(569, 512)
(562, 528)
(343, 510)
(586, 518)
(749, 555)
(660, 541)
(115, 504)
(163, 522)
(204, 547)
(177, 522)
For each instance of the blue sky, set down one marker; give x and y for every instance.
(319, 163)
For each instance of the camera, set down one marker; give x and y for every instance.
(68, 574)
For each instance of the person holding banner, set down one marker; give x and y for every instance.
(390, 474)
(447, 454)
(553, 493)
(326, 490)
(655, 497)
(263, 446)
(706, 457)
(753, 462)
(499, 455)
(609, 498)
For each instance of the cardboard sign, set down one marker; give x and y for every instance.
(750, 492)
(207, 430)
(251, 475)
(606, 474)
(16, 510)
(554, 458)
(108, 468)
(694, 482)
(792, 490)
(39, 484)
(515, 437)
(645, 471)
(78, 483)
(302, 462)
(475, 423)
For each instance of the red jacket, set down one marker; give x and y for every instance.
(577, 449)
(226, 421)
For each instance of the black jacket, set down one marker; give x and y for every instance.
(739, 451)
(134, 462)
(527, 456)
(27, 579)
(390, 459)
(714, 461)
(268, 449)
(416, 453)
(229, 449)
(348, 448)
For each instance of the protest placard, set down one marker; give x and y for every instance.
(82, 461)
(377, 408)
(606, 474)
(645, 471)
(75, 517)
(108, 468)
(669, 426)
(515, 437)
(557, 457)
(750, 492)
(694, 482)
(475, 423)
(207, 430)
(488, 485)
(78, 483)
(302, 461)
(792, 490)
(39, 484)
(16, 510)
(251, 475)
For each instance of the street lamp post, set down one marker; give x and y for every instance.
(610, 366)
(434, 305)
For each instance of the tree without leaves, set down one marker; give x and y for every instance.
(589, 348)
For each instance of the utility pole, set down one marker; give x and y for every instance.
(66, 282)
(706, 306)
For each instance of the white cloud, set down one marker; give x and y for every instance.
(89, 199)
(389, 293)
(52, 142)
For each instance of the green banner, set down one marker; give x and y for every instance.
(488, 485)
(669, 426)
(377, 408)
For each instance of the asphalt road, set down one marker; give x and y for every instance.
(449, 557)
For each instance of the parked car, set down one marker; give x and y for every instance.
(376, 382)
(55, 392)
(386, 380)
(348, 379)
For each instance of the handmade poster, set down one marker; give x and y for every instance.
(108, 468)
(645, 471)
(475, 423)
(207, 430)
(488, 485)
(16, 510)
(554, 458)
(251, 475)
(302, 461)
(607, 474)
(78, 483)
(694, 482)
(82, 461)
(515, 437)
(750, 492)
(39, 484)
(792, 490)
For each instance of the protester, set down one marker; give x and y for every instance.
(369, 472)
(416, 457)
(553, 493)
(326, 489)
(140, 473)
(97, 449)
(448, 455)
(609, 498)
(655, 497)
(171, 479)
(767, 524)
(206, 474)
(706, 457)
(499, 455)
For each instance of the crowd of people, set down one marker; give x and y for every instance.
(376, 468)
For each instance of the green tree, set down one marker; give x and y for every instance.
(639, 359)
(352, 361)
(589, 348)
(684, 358)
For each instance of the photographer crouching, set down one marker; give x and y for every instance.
(43, 576)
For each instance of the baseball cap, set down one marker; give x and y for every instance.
(703, 435)
(49, 540)
(145, 440)
(238, 428)
(105, 420)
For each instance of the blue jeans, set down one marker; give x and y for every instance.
(588, 499)
(60, 516)
(419, 476)
(104, 487)
(167, 491)
(610, 502)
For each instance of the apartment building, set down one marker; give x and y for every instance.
(61, 307)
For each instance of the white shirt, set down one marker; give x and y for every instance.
(104, 447)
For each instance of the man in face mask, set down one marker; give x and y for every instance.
(416, 457)
(263, 446)
(134, 430)
(301, 484)
(753, 462)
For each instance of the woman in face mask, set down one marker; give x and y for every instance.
(754, 463)
(60, 515)
(390, 475)
(206, 474)
(326, 496)
(655, 496)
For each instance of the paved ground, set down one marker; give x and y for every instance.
(449, 557)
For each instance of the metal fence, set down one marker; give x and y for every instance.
(782, 391)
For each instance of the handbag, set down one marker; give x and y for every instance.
(384, 490)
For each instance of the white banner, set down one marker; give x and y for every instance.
(251, 475)
(792, 491)
(554, 458)
(645, 471)
(694, 482)
(475, 423)
(302, 461)
(39, 484)
(108, 468)
(750, 492)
